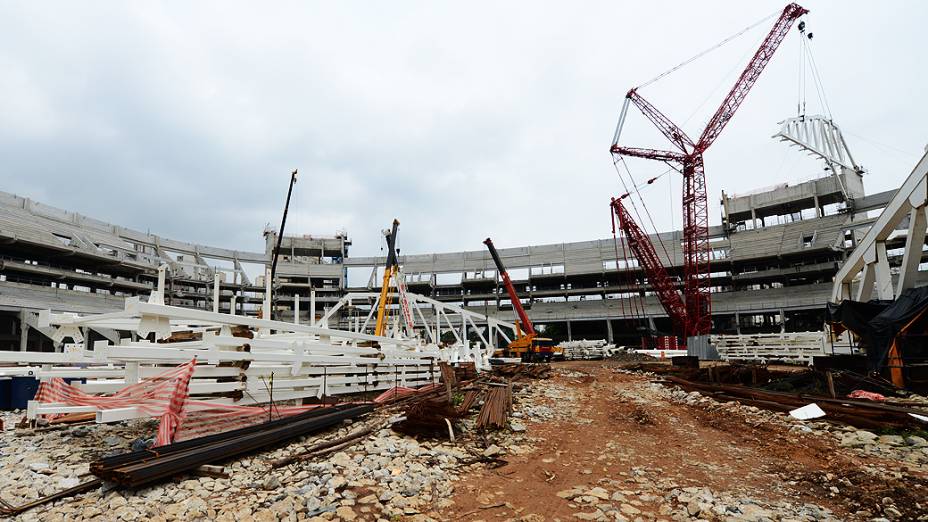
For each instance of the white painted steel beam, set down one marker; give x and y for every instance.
(912, 195)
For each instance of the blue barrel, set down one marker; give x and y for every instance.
(22, 391)
(5, 390)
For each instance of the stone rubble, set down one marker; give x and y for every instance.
(388, 476)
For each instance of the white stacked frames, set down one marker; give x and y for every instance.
(285, 361)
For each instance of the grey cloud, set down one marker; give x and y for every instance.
(462, 120)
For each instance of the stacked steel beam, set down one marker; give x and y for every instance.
(859, 413)
(144, 467)
(496, 406)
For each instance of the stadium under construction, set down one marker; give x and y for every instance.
(773, 260)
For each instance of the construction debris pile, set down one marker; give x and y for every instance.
(314, 475)
(839, 396)
(574, 350)
(442, 412)
(150, 465)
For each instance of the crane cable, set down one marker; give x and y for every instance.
(675, 246)
(615, 244)
(724, 80)
(638, 214)
(671, 168)
(817, 78)
(633, 304)
(643, 204)
(808, 66)
(630, 280)
(801, 89)
(707, 51)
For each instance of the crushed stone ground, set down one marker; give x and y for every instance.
(593, 442)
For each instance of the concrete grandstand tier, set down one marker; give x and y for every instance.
(771, 272)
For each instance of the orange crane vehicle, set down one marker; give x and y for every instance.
(527, 345)
(393, 272)
(389, 271)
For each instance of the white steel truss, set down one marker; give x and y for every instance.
(868, 264)
(432, 318)
(235, 355)
(820, 137)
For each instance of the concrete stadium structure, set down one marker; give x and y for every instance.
(775, 255)
(773, 263)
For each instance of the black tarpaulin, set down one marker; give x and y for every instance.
(854, 315)
(888, 323)
(877, 323)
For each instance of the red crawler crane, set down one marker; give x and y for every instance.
(694, 318)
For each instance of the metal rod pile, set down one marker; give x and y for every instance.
(9, 510)
(519, 371)
(147, 466)
(496, 407)
(324, 448)
(858, 413)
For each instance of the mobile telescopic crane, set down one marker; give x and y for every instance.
(527, 344)
(393, 272)
(389, 271)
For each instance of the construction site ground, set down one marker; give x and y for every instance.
(617, 446)
(593, 441)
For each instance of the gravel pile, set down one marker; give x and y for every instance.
(616, 501)
(386, 476)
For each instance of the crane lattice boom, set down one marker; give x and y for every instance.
(749, 76)
(660, 280)
(697, 317)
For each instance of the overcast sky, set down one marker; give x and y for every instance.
(463, 120)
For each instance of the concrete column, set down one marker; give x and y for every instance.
(23, 331)
(865, 287)
(782, 321)
(570, 336)
(312, 307)
(216, 293)
(737, 323)
(266, 313)
(754, 217)
(609, 337)
(819, 211)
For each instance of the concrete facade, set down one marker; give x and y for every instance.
(774, 258)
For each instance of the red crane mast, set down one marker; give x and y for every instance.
(697, 318)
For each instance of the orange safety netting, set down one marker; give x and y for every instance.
(399, 392)
(215, 418)
(166, 396)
